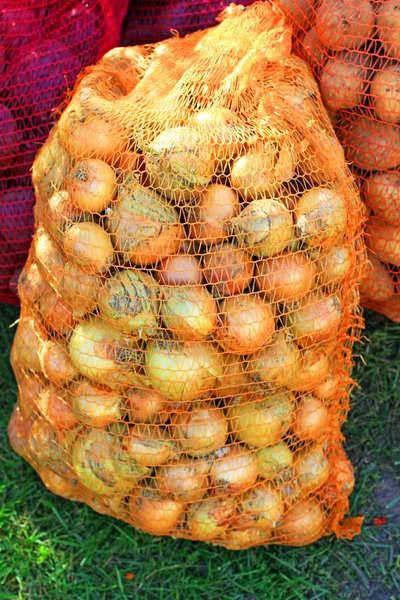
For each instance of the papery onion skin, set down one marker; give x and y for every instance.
(313, 370)
(311, 468)
(79, 289)
(190, 313)
(234, 471)
(277, 363)
(220, 125)
(30, 387)
(56, 407)
(95, 405)
(66, 488)
(179, 269)
(31, 284)
(273, 461)
(234, 379)
(260, 507)
(150, 445)
(185, 480)
(285, 278)
(200, 431)
(89, 247)
(321, 217)
(61, 213)
(302, 524)
(56, 363)
(311, 418)
(154, 512)
(28, 339)
(253, 175)
(56, 314)
(18, 431)
(228, 268)
(208, 220)
(92, 185)
(329, 387)
(146, 406)
(333, 265)
(240, 539)
(209, 518)
(316, 318)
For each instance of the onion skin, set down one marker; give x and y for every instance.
(92, 185)
(302, 524)
(31, 284)
(311, 418)
(210, 518)
(277, 363)
(56, 314)
(50, 167)
(49, 447)
(146, 406)
(272, 461)
(253, 175)
(332, 266)
(27, 343)
(228, 268)
(311, 468)
(48, 258)
(260, 507)
(329, 387)
(155, 513)
(285, 278)
(342, 475)
(56, 363)
(79, 289)
(184, 480)
(208, 220)
(313, 370)
(234, 379)
(18, 431)
(200, 431)
(321, 217)
(150, 445)
(316, 318)
(89, 247)
(234, 471)
(241, 539)
(30, 387)
(246, 324)
(190, 313)
(95, 405)
(56, 407)
(180, 269)
(219, 125)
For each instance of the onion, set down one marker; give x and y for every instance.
(210, 518)
(264, 227)
(186, 481)
(190, 313)
(253, 175)
(329, 387)
(150, 445)
(277, 363)
(316, 318)
(92, 185)
(28, 340)
(333, 266)
(154, 512)
(234, 379)
(240, 539)
(214, 208)
(95, 405)
(377, 285)
(342, 475)
(144, 228)
(57, 484)
(30, 387)
(321, 217)
(200, 431)
(302, 524)
(131, 162)
(313, 370)
(260, 507)
(221, 126)
(180, 163)
(50, 167)
(49, 447)
(286, 278)
(272, 461)
(311, 418)
(56, 363)
(60, 213)
(56, 314)
(102, 467)
(182, 371)
(234, 469)
(129, 302)
(181, 269)
(79, 288)
(383, 239)
(311, 468)
(104, 354)
(89, 247)
(260, 420)
(48, 258)
(18, 432)
(246, 324)
(228, 268)
(56, 408)
(112, 505)
(290, 490)
(31, 284)
(146, 406)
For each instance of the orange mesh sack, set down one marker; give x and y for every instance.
(353, 47)
(189, 304)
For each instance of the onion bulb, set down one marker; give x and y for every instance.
(89, 247)
(95, 405)
(190, 313)
(329, 387)
(264, 227)
(28, 340)
(313, 370)
(260, 420)
(154, 512)
(302, 524)
(246, 324)
(56, 363)
(61, 213)
(184, 480)
(234, 379)
(342, 474)
(321, 217)
(48, 446)
(92, 185)
(383, 239)
(55, 313)
(146, 406)
(200, 431)
(150, 445)
(260, 507)
(31, 284)
(30, 387)
(129, 302)
(311, 468)
(48, 258)
(56, 407)
(377, 284)
(234, 469)
(253, 175)
(228, 268)
(144, 228)
(286, 278)
(66, 488)
(182, 371)
(332, 266)
(18, 432)
(240, 539)
(316, 318)
(221, 126)
(208, 219)
(277, 363)
(180, 269)
(79, 288)
(311, 418)
(210, 518)
(49, 167)
(272, 461)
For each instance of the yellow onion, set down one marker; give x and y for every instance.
(180, 163)
(28, 340)
(209, 218)
(48, 257)
(200, 431)
(290, 490)
(311, 468)
(31, 284)
(95, 405)
(30, 387)
(144, 228)
(102, 466)
(190, 313)
(18, 431)
(260, 507)
(234, 379)
(79, 288)
(316, 318)
(221, 127)
(146, 406)
(55, 406)
(342, 474)
(234, 469)
(56, 314)
(313, 370)
(259, 419)
(49, 447)
(246, 324)
(210, 518)
(56, 363)
(89, 247)
(228, 268)
(332, 266)
(184, 480)
(150, 445)
(377, 285)
(240, 539)
(321, 217)
(180, 269)
(253, 175)
(272, 461)
(61, 213)
(285, 278)
(60, 485)
(108, 505)
(92, 185)
(311, 418)
(182, 371)
(155, 512)
(50, 167)
(277, 363)
(264, 227)
(302, 524)
(128, 302)
(329, 387)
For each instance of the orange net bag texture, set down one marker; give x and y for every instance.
(189, 304)
(353, 47)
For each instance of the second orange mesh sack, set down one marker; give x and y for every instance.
(353, 47)
(189, 305)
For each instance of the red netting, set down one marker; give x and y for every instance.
(43, 46)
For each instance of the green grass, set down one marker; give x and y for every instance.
(54, 548)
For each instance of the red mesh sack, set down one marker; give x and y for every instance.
(353, 49)
(43, 46)
(189, 304)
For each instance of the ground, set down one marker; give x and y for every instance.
(54, 548)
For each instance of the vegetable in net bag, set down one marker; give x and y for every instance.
(353, 49)
(189, 305)
(43, 46)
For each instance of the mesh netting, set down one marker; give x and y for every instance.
(189, 305)
(43, 46)
(354, 50)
